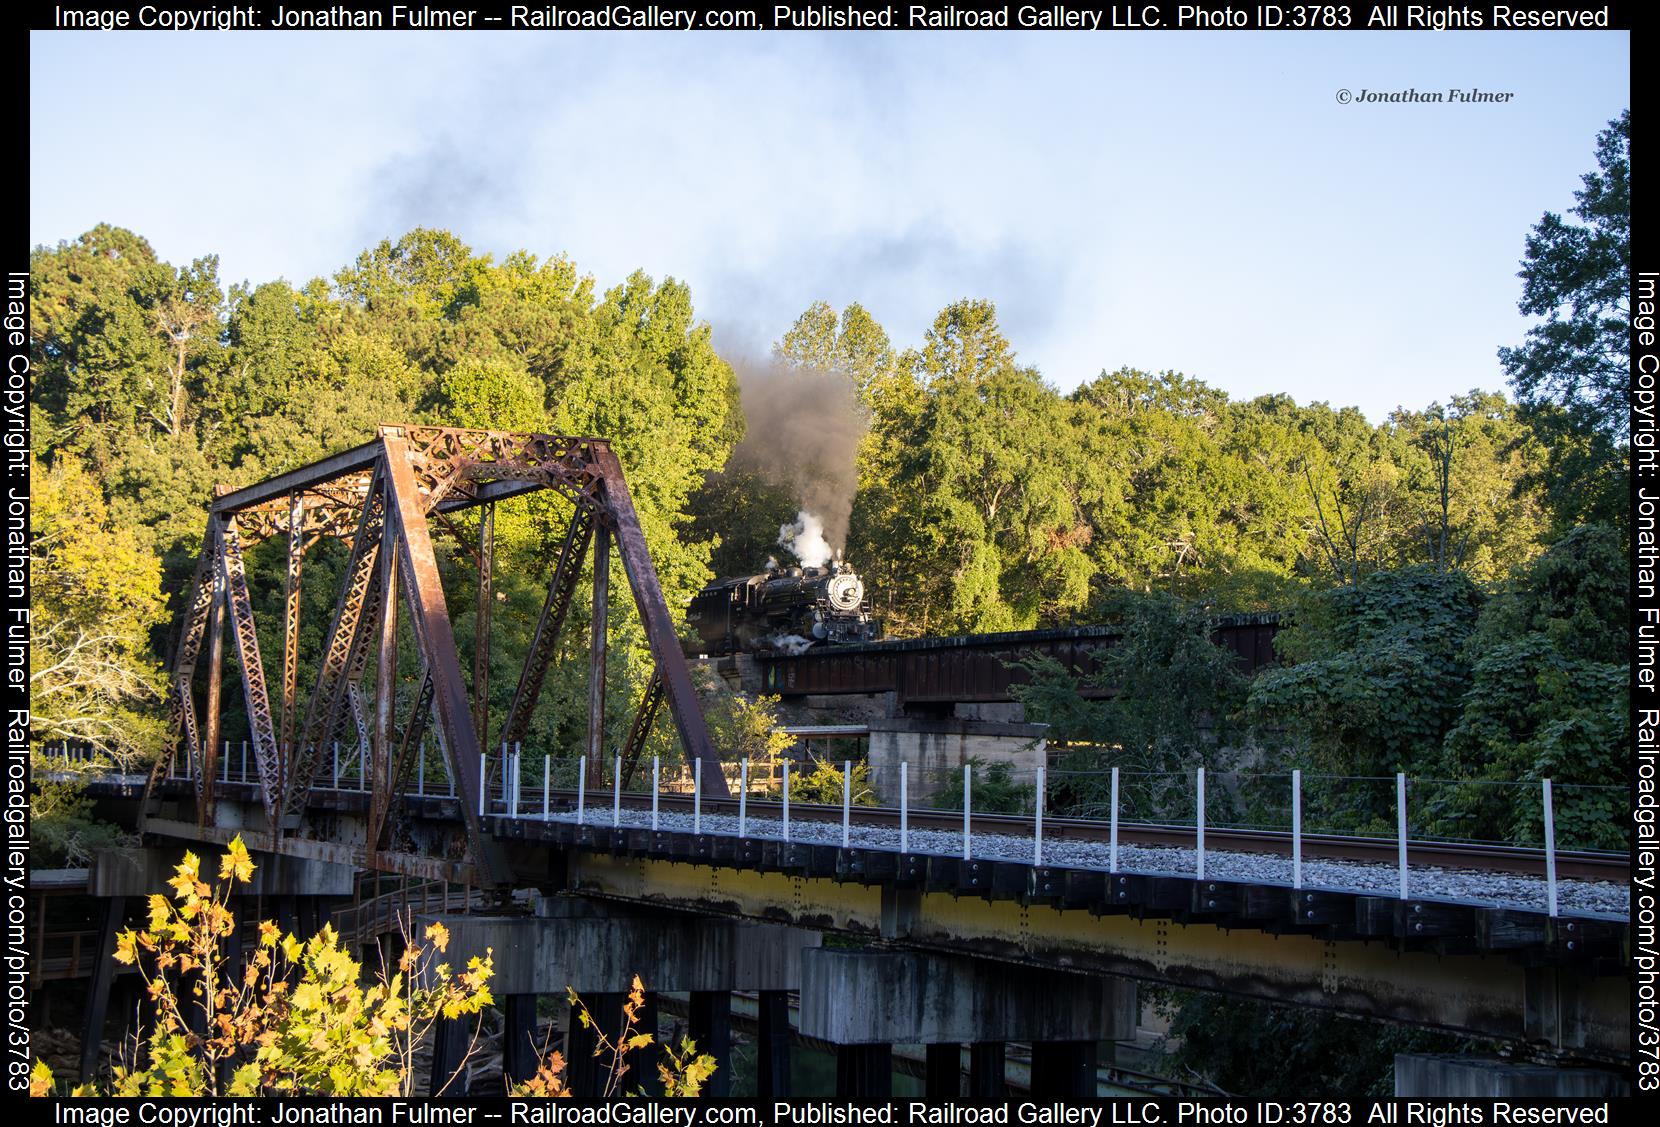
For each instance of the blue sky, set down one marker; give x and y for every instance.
(1193, 201)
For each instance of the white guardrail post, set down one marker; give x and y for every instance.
(581, 787)
(1550, 850)
(1037, 822)
(1199, 824)
(847, 800)
(743, 796)
(1296, 829)
(1112, 836)
(1400, 825)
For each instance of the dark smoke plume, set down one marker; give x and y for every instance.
(804, 429)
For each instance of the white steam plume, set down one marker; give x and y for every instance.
(805, 538)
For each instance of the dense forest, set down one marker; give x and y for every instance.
(1452, 576)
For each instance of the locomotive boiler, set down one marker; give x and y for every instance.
(783, 610)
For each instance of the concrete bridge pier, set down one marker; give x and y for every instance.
(865, 1002)
(518, 1046)
(942, 1072)
(710, 1026)
(772, 1046)
(986, 1065)
(598, 949)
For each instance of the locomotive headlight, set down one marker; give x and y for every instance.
(845, 591)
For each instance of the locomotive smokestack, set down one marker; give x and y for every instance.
(806, 539)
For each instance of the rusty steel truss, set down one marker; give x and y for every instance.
(378, 499)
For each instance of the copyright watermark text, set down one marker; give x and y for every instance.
(1364, 97)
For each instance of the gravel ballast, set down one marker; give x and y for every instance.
(1511, 890)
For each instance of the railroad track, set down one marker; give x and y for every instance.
(1482, 857)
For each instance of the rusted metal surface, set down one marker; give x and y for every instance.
(483, 604)
(209, 756)
(976, 668)
(552, 619)
(596, 655)
(295, 563)
(328, 698)
(640, 728)
(660, 631)
(431, 621)
(256, 699)
(378, 498)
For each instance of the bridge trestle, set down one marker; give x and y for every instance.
(378, 499)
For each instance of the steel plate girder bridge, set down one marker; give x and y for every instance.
(1559, 983)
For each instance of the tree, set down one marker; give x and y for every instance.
(978, 509)
(95, 599)
(1160, 701)
(1377, 671)
(1549, 697)
(297, 1018)
(852, 343)
(1570, 374)
(1466, 502)
(293, 1021)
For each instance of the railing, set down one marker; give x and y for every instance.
(1410, 825)
(1418, 823)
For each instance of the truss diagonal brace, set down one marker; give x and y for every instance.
(323, 714)
(193, 630)
(654, 615)
(552, 620)
(255, 696)
(640, 729)
(433, 631)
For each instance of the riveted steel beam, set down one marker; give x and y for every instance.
(640, 729)
(548, 624)
(654, 614)
(324, 711)
(256, 699)
(431, 621)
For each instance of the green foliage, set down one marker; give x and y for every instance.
(1158, 702)
(746, 728)
(681, 1071)
(993, 791)
(294, 1021)
(65, 831)
(95, 601)
(823, 784)
(1378, 671)
(1549, 697)
(973, 517)
(1571, 373)
(1266, 1051)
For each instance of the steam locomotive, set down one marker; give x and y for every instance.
(782, 610)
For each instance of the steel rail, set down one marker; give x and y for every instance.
(1519, 859)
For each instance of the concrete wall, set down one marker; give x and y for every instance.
(597, 950)
(903, 997)
(140, 872)
(937, 750)
(1422, 1074)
